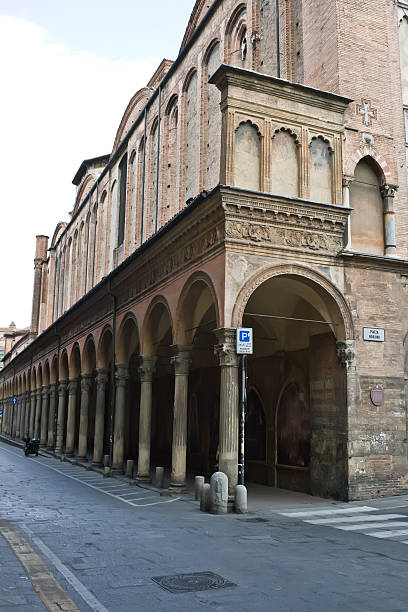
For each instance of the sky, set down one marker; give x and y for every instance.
(68, 71)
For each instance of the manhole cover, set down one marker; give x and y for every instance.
(188, 583)
(254, 520)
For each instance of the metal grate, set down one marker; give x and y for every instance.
(189, 583)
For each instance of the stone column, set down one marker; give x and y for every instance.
(146, 372)
(62, 406)
(18, 414)
(346, 353)
(229, 413)
(388, 192)
(181, 364)
(22, 415)
(51, 417)
(120, 404)
(44, 415)
(346, 203)
(27, 414)
(86, 387)
(37, 419)
(101, 380)
(72, 406)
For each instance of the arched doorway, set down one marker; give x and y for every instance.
(297, 317)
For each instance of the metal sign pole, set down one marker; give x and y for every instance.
(241, 479)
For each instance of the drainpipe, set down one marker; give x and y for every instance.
(158, 162)
(143, 177)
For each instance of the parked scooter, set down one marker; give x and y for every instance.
(32, 446)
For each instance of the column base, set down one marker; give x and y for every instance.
(97, 464)
(116, 470)
(144, 479)
(177, 488)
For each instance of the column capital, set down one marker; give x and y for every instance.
(45, 391)
(388, 191)
(226, 349)
(346, 352)
(62, 387)
(53, 388)
(86, 382)
(38, 392)
(347, 181)
(101, 378)
(181, 359)
(147, 368)
(121, 375)
(73, 386)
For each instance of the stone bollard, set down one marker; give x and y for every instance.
(241, 503)
(129, 468)
(106, 470)
(159, 477)
(219, 493)
(106, 460)
(205, 499)
(198, 485)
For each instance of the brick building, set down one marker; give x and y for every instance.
(258, 180)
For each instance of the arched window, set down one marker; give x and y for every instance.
(237, 39)
(154, 200)
(140, 189)
(192, 143)
(321, 189)
(171, 182)
(212, 119)
(122, 199)
(367, 221)
(285, 168)
(247, 157)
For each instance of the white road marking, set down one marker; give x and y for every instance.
(80, 588)
(329, 512)
(91, 486)
(371, 526)
(355, 519)
(389, 534)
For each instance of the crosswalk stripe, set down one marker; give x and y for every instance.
(329, 512)
(355, 519)
(370, 526)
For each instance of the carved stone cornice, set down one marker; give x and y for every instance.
(147, 369)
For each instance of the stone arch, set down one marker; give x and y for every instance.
(63, 366)
(247, 156)
(197, 278)
(59, 230)
(88, 360)
(366, 202)
(46, 374)
(134, 108)
(305, 274)
(104, 349)
(154, 323)
(54, 370)
(321, 169)
(379, 159)
(285, 162)
(74, 361)
(127, 338)
(83, 192)
(39, 377)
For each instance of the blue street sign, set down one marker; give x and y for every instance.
(244, 341)
(1, 413)
(14, 400)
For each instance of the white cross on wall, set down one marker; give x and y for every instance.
(364, 109)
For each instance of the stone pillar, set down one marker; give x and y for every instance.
(101, 380)
(229, 413)
(51, 417)
(17, 422)
(120, 405)
(62, 406)
(72, 404)
(388, 193)
(86, 387)
(346, 203)
(27, 414)
(346, 350)
(44, 415)
(22, 415)
(37, 420)
(181, 363)
(146, 373)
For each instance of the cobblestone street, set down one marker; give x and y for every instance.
(106, 542)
